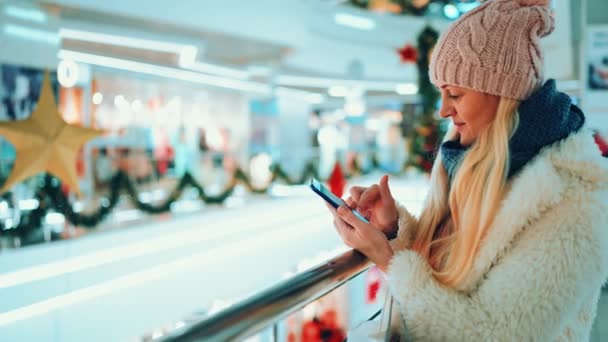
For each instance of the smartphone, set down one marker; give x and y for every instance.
(332, 199)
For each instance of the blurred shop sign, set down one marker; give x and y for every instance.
(596, 92)
(559, 53)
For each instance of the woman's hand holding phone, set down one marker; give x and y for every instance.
(377, 204)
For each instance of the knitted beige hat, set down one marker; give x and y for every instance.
(495, 49)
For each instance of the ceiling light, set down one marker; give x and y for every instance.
(117, 40)
(354, 21)
(322, 82)
(338, 91)
(406, 89)
(218, 70)
(151, 69)
(97, 98)
(303, 95)
(29, 14)
(31, 34)
(187, 53)
(450, 11)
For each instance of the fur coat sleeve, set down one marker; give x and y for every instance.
(538, 269)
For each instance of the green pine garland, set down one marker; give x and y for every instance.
(426, 133)
(51, 197)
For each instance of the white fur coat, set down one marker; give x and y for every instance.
(540, 269)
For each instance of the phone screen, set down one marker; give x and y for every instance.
(332, 199)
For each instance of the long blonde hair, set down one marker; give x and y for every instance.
(455, 219)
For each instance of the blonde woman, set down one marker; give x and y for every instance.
(512, 243)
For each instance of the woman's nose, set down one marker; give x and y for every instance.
(446, 110)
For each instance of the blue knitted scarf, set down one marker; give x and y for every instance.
(545, 118)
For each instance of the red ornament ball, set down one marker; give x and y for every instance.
(408, 54)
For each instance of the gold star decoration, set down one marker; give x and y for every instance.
(44, 142)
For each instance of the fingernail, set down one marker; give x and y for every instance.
(341, 209)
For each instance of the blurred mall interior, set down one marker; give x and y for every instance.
(205, 121)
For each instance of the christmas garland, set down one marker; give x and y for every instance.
(50, 196)
(426, 134)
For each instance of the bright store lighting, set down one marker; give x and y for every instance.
(155, 195)
(119, 100)
(354, 21)
(136, 105)
(126, 215)
(28, 204)
(328, 136)
(78, 206)
(174, 105)
(9, 224)
(67, 73)
(258, 70)
(321, 82)
(305, 81)
(338, 91)
(307, 96)
(451, 11)
(354, 107)
(156, 70)
(372, 124)
(31, 34)
(187, 60)
(28, 14)
(97, 98)
(214, 138)
(3, 208)
(186, 206)
(464, 7)
(406, 89)
(280, 190)
(187, 55)
(260, 169)
(157, 334)
(317, 98)
(137, 43)
(54, 218)
(144, 197)
(235, 201)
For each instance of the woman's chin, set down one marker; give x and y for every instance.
(465, 141)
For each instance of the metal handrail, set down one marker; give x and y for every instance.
(270, 306)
